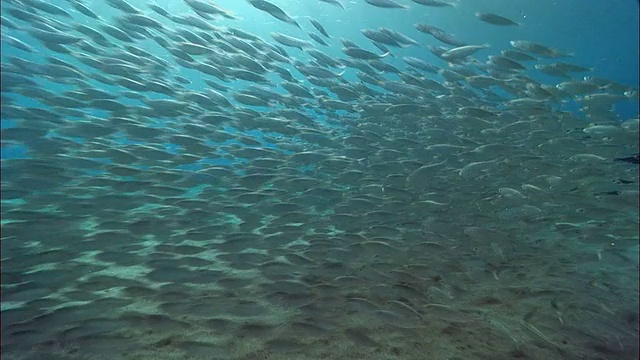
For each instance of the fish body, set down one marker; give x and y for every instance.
(495, 19)
(386, 4)
(290, 41)
(273, 10)
(334, 2)
(435, 3)
(362, 54)
(316, 24)
(462, 51)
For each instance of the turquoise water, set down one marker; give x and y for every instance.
(179, 183)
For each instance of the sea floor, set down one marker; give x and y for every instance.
(118, 295)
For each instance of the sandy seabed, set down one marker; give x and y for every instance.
(191, 301)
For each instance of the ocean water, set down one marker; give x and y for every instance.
(180, 182)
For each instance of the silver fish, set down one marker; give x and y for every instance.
(273, 10)
(434, 3)
(362, 54)
(319, 27)
(387, 4)
(495, 19)
(462, 51)
(334, 2)
(290, 41)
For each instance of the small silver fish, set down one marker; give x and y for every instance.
(273, 10)
(334, 2)
(496, 19)
(387, 4)
(362, 54)
(316, 24)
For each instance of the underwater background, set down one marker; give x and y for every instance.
(179, 181)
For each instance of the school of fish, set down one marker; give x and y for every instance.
(294, 204)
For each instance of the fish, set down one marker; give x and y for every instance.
(84, 9)
(316, 71)
(54, 37)
(202, 7)
(552, 70)
(420, 64)
(634, 159)
(462, 51)
(123, 6)
(398, 37)
(334, 2)
(386, 4)
(439, 34)
(316, 24)
(570, 68)
(290, 41)
(142, 20)
(504, 62)
(435, 3)
(48, 8)
(18, 44)
(576, 87)
(362, 54)
(495, 19)
(380, 37)
(517, 55)
(383, 48)
(318, 39)
(538, 49)
(159, 10)
(6, 22)
(273, 10)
